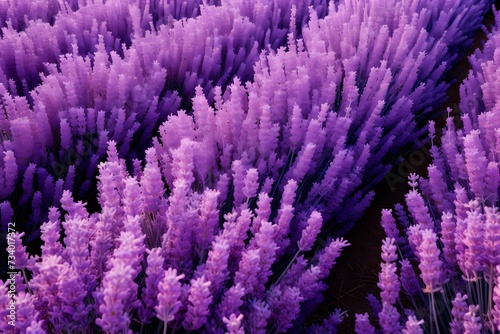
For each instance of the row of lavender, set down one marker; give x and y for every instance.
(234, 191)
(454, 238)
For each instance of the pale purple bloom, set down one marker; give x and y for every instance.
(251, 183)
(389, 319)
(231, 301)
(430, 264)
(418, 210)
(264, 243)
(388, 278)
(169, 289)
(414, 238)
(413, 326)
(470, 259)
(200, 299)
(476, 163)
(4, 305)
(118, 291)
(51, 234)
(234, 324)
(363, 325)
(216, 268)
(36, 327)
(60, 288)
(491, 238)
(472, 323)
(132, 197)
(150, 291)
(309, 234)
(152, 188)
(263, 210)
(458, 312)
(208, 219)
(26, 312)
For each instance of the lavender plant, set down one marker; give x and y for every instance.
(217, 230)
(324, 112)
(454, 235)
(69, 86)
(107, 271)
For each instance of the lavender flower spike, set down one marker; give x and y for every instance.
(168, 298)
(430, 263)
(199, 299)
(388, 278)
(234, 324)
(363, 325)
(413, 326)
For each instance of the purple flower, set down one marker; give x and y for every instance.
(389, 319)
(216, 268)
(231, 301)
(150, 291)
(199, 299)
(234, 324)
(208, 219)
(430, 265)
(409, 280)
(413, 326)
(169, 289)
(285, 306)
(492, 238)
(60, 291)
(389, 224)
(458, 312)
(472, 323)
(259, 313)
(309, 234)
(418, 210)
(476, 163)
(388, 278)
(237, 185)
(448, 230)
(470, 258)
(363, 324)
(118, 291)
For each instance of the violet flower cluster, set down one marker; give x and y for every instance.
(219, 277)
(73, 76)
(452, 234)
(220, 137)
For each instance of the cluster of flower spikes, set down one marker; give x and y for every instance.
(69, 86)
(455, 235)
(219, 276)
(259, 171)
(324, 111)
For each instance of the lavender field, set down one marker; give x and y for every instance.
(201, 166)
